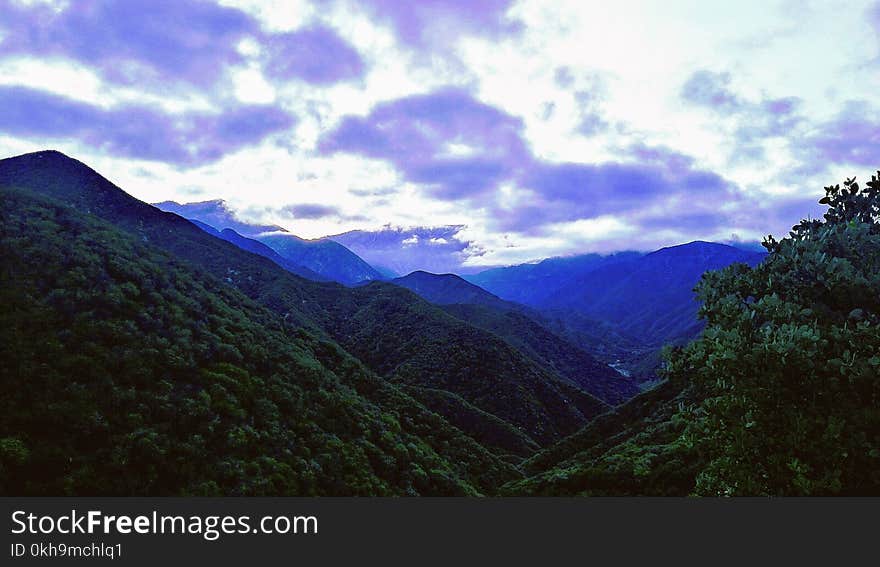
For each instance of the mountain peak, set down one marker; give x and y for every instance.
(447, 289)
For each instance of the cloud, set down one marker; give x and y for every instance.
(455, 146)
(851, 137)
(573, 191)
(132, 41)
(459, 149)
(429, 24)
(310, 211)
(316, 55)
(138, 132)
(437, 249)
(711, 89)
(752, 121)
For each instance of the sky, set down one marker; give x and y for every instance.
(500, 131)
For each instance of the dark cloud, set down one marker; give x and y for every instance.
(154, 42)
(415, 133)
(316, 55)
(310, 211)
(132, 41)
(418, 134)
(138, 132)
(574, 191)
(674, 161)
(754, 121)
(435, 23)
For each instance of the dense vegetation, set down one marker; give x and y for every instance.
(550, 351)
(127, 372)
(779, 396)
(140, 354)
(397, 334)
(788, 369)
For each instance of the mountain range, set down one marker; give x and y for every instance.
(144, 353)
(618, 306)
(647, 297)
(105, 283)
(324, 258)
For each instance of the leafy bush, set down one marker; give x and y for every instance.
(787, 369)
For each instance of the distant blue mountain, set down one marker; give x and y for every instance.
(258, 247)
(330, 259)
(450, 289)
(534, 283)
(397, 251)
(647, 297)
(323, 258)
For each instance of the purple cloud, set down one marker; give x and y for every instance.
(851, 137)
(137, 131)
(132, 41)
(711, 89)
(429, 23)
(452, 144)
(316, 55)
(438, 249)
(573, 191)
(310, 211)
(418, 135)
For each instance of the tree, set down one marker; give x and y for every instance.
(786, 372)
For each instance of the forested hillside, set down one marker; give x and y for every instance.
(126, 371)
(487, 388)
(144, 355)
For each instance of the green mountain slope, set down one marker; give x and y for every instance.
(550, 351)
(635, 450)
(126, 371)
(391, 330)
(523, 328)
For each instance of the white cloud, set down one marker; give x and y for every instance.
(633, 56)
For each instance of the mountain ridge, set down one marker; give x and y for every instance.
(365, 321)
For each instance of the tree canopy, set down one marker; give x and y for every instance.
(787, 368)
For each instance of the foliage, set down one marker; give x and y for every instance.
(395, 333)
(786, 372)
(126, 371)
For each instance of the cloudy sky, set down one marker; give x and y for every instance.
(526, 128)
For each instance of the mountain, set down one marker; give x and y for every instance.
(448, 289)
(649, 297)
(126, 370)
(525, 330)
(634, 450)
(216, 213)
(389, 331)
(329, 259)
(257, 247)
(550, 350)
(535, 283)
